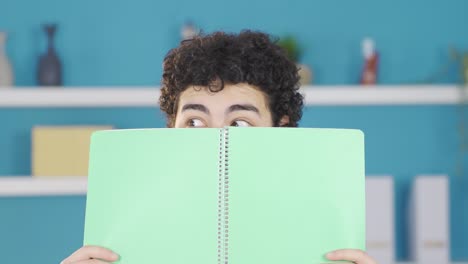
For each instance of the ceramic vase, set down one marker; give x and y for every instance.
(49, 71)
(305, 74)
(6, 71)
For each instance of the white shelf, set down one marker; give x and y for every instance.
(21, 186)
(384, 95)
(148, 96)
(79, 97)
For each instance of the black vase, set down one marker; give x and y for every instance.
(49, 72)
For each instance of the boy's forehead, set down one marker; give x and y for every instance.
(230, 94)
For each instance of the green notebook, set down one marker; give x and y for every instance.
(230, 195)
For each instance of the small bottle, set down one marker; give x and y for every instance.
(6, 71)
(371, 61)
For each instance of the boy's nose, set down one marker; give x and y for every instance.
(218, 123)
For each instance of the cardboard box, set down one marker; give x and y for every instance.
(61, 150)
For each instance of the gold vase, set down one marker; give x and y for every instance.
(305, 74)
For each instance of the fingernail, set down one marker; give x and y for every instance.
(115, 255)
(330, 254)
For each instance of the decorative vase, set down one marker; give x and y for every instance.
(49, 71)
(189, 31)
(6, 72)
(465, 69)
(305, 74)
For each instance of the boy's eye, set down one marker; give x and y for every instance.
(240, 123)
(195, 122)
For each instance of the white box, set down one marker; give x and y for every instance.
(429, 220)
(380, 219)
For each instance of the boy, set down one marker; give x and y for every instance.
(222, 80)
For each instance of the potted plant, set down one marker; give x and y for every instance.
(294, 51)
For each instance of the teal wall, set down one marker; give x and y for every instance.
(117, 42)
(123, 42)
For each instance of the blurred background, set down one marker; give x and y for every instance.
(412, 109)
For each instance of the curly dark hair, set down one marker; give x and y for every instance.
(218, 58)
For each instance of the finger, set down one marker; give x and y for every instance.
(91, 261)
(354, 255)
(91, 252)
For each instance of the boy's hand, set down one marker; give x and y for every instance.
(355, 255)
(91, 255)
(97, 255)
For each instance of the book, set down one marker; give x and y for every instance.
(380, 214)
(61, 150)
(226, 195)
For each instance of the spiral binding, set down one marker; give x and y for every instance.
(220, 195)
(226, 195)
(223, 197)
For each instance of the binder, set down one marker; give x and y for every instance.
(429, 220)
(380, 218)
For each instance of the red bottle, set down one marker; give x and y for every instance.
(371, 57)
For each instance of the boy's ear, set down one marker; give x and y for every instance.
(284, 121)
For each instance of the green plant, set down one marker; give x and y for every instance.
(290, 44)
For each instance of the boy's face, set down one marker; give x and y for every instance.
(236, 105)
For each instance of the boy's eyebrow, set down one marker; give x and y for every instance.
(198, 107)
(243, 107)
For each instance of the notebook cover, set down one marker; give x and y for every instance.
(152, 195)
(294, 194)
